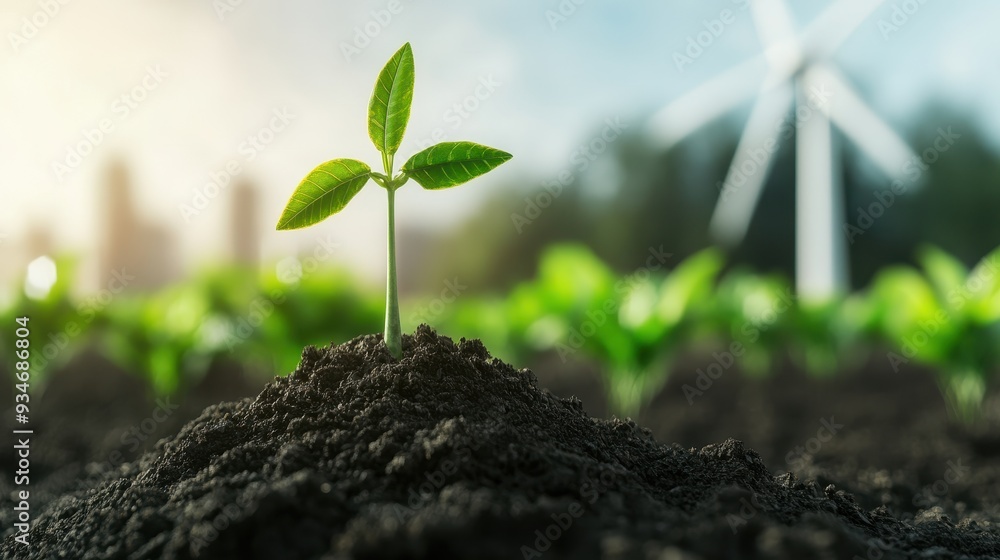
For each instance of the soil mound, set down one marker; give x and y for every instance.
(449, 453)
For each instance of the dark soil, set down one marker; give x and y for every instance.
(93, 417)
(449, 453)
(896, 444)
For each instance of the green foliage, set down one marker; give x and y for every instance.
(57, 322)
(324, 192)
(329, 187)
(389, 110)
(753, 311)
(449, 164)
(658, 316)
(942, 315)
(946, 316)
(578, 307)
(821, 337)
(157, 336)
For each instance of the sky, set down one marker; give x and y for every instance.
(185, 89)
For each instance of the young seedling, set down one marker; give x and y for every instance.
(328, 188)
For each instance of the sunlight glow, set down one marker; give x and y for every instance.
(40, 278)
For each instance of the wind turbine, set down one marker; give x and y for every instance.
(795, 75)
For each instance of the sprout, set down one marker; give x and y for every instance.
(328, 188)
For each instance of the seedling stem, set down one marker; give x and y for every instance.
(393, 332)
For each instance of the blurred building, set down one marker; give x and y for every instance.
(244, 224)
(130, 247)
(37, 243)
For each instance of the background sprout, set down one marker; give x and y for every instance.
(328, 188)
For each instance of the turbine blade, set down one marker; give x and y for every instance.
(747, 174)
(705, 103)
(859, 122)
(773, 21)
(835, 24)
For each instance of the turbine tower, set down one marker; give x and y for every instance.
(796, 75)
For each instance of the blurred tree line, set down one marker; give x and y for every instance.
(634, 197)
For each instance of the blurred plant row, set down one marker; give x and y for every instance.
(172, 337)
(941, 314)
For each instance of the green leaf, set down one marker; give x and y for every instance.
(688, 285)
(324, 192)
(452, 163)
(983, 288)
(909, 305)
(389, 110)
(965, 389)
(946, 273)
